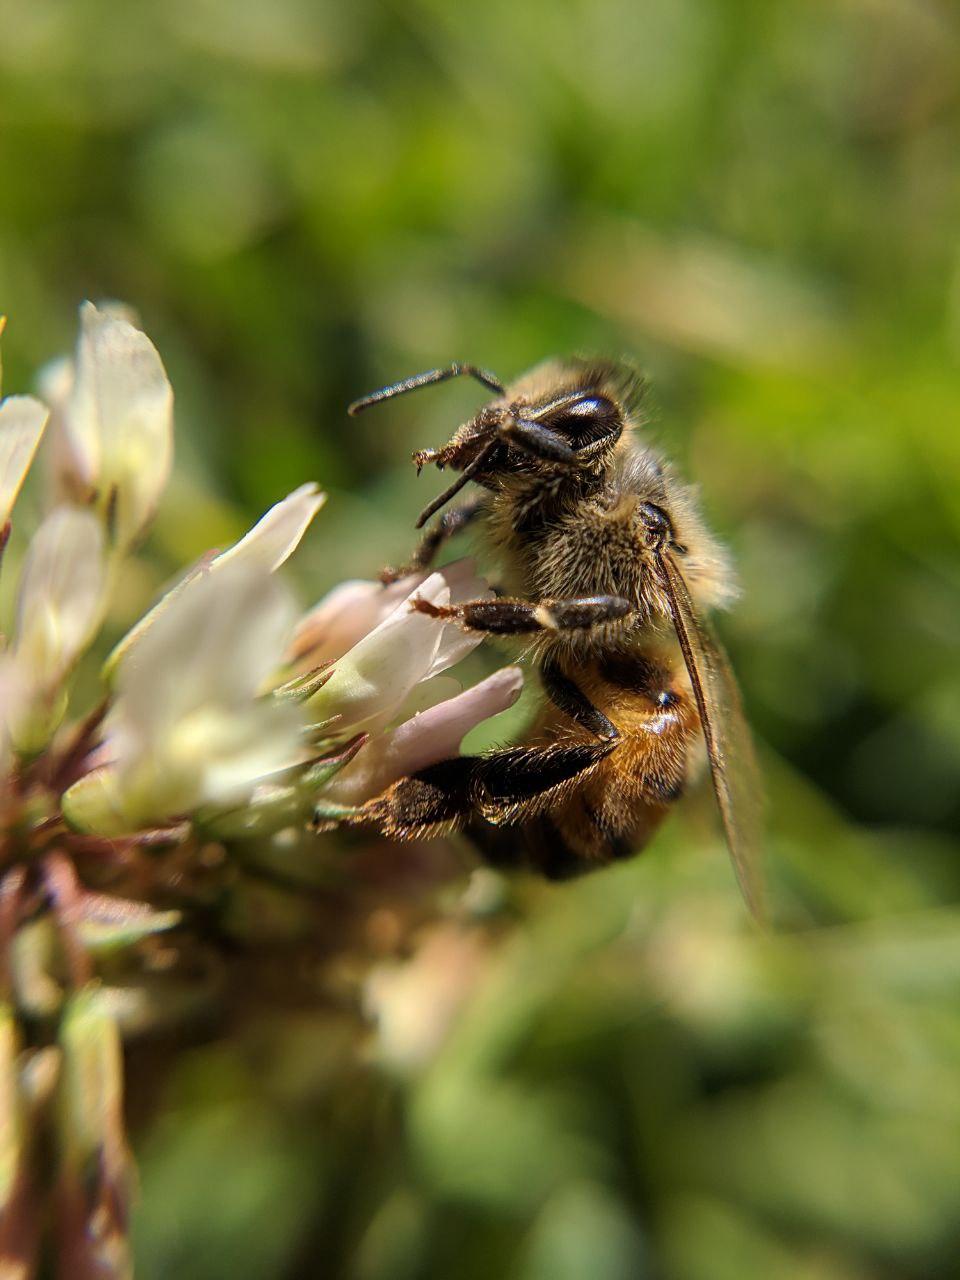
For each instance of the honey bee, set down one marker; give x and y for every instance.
(609, 570)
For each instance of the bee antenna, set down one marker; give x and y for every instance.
(417, 380)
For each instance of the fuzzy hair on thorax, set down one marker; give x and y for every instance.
(561, 532)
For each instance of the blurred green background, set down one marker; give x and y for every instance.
(758, 200)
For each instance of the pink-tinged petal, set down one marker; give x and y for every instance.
(427, 694)
(436, 733)
(424, 739)
(373, 679)
(455, 643)
(353, 609)
(344, 616)
(463, 580)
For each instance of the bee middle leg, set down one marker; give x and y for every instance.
(569, 698)
(519, 617)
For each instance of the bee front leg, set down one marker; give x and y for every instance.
(519, 617)
(429, 546)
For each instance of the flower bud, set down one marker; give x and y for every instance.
(119, 421)
(93, 804)
(18, 1209)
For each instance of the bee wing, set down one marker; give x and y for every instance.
(733, 764)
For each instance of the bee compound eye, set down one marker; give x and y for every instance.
(585, 420)
(590, 407)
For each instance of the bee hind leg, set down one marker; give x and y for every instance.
(519, 617)
(502, 788)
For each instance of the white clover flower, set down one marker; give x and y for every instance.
(267, 546)
(344, 616)
(190, 725)
(118, 421)
(219, 719)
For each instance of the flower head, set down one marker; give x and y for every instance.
(131, 815)
(372, 681)
(191, 723)
(118, 421)
(390, 682)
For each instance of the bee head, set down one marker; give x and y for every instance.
(563, 417)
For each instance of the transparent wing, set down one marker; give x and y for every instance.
(733, 764)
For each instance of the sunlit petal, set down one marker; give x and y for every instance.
(22, 420)
(276, 535)
(61, 594)
(455, 643)
(373, 679)
(120, 420)
(270, 542)
(344, 616)
(189, 726)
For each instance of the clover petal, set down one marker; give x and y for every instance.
(119, 420)
(22, 422)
